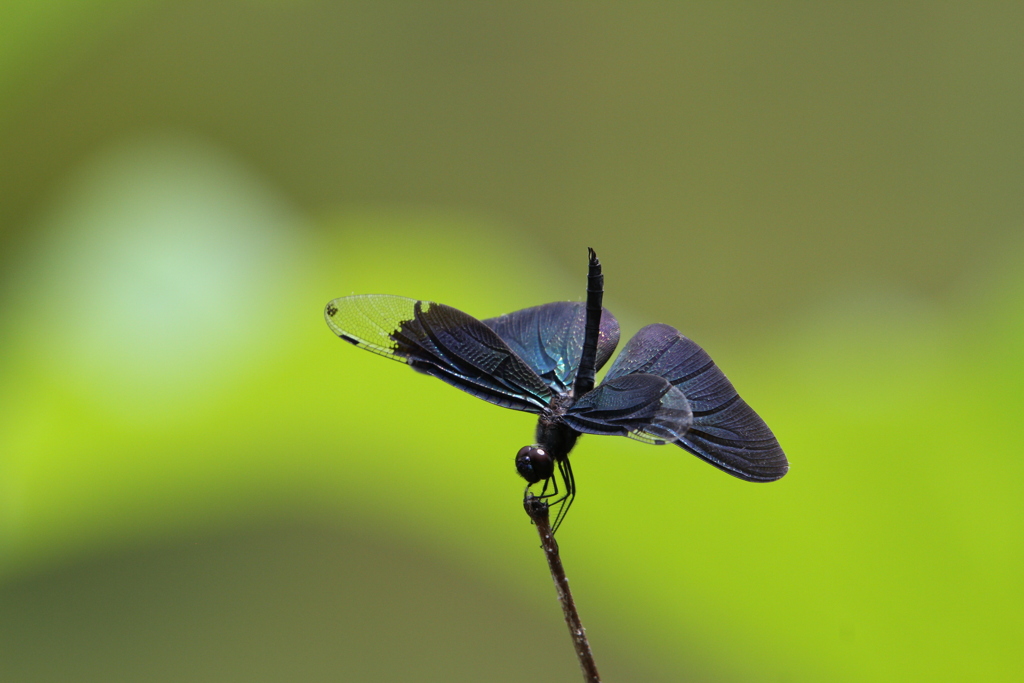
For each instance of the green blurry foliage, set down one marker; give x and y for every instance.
(39, 37)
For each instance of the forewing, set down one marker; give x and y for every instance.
(550, 339)
(642, 406)
(440, 341)
(724, 431)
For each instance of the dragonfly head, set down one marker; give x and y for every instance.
(534, 464)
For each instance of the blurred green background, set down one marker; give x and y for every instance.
(199, 482)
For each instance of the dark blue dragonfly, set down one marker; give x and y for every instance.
(662, 388)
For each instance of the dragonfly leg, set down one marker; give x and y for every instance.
(565, 502)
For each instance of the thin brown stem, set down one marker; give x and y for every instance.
(538, 511)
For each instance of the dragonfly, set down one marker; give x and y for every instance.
(661, 389)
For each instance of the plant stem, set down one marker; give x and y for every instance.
(537, 509)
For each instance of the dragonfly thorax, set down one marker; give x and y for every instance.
(554, 441)
(555, 437)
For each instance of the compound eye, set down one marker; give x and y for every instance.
(534, 464)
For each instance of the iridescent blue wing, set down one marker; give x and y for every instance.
(641, 406)
(440, 341)
(550, 339)
(723, 429)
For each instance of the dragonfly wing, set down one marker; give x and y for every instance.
(724, 430)
(550, 339)
(641, 406)
(440, 341)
